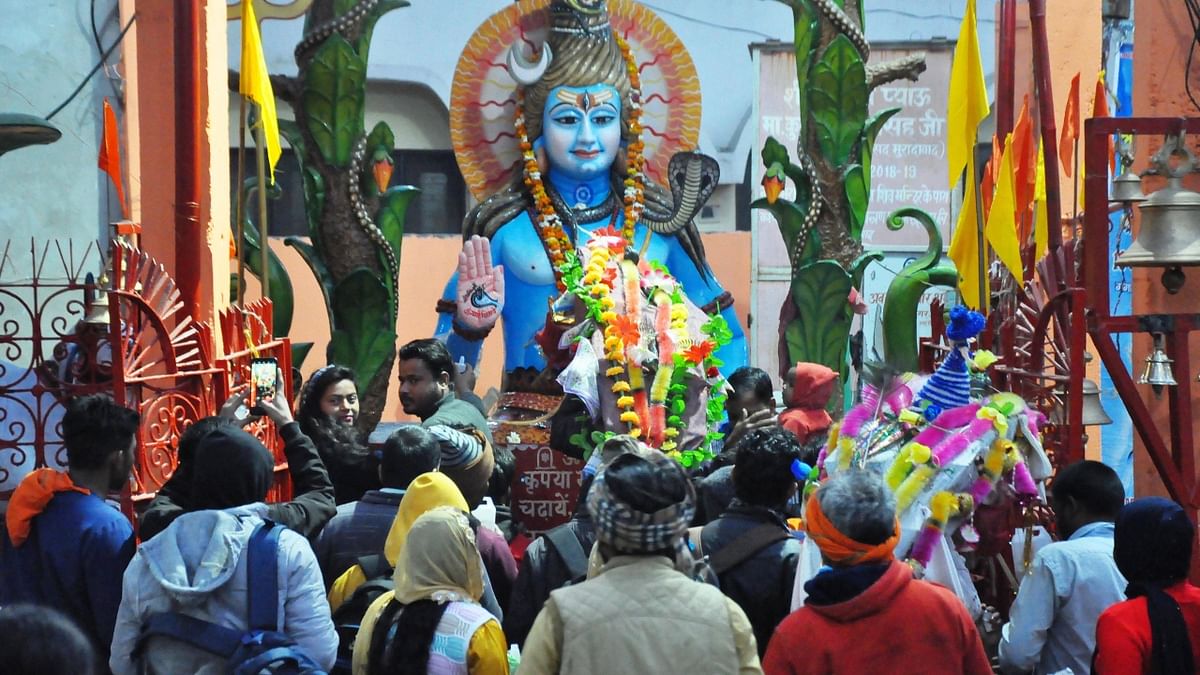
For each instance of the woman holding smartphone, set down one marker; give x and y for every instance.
(327, 413)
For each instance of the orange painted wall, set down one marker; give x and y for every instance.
(1161, 43)
(426, 262)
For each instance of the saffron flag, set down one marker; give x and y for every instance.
(255, 84)
(968, 104)
(1100, 109)
(1070, 128)
(965, 245)
(1024, 161)
(1041, 225)
(109, 160)
(1000, 229)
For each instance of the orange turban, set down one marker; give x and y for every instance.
(840, 549)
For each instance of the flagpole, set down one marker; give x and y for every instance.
(981, 253)
(260, 151)
(240, 228)
(1075, 188)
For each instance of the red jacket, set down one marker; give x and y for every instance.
(1123, 633)
(897, 625)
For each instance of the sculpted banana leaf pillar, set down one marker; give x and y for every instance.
(355, 220)
(831, 172)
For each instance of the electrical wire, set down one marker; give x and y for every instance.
(103, 57)
(702, 22)
(1193, 10)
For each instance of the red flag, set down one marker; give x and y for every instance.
(1024, 161)
(1100, 109)
(1070, 128)
(110, 155)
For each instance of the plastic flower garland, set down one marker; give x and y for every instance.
(657, 415)
(635, 161)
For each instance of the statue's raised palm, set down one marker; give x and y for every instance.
(480, 286)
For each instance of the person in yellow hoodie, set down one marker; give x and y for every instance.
(427, 491)
(432, 621)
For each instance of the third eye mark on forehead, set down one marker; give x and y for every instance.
(584, 100)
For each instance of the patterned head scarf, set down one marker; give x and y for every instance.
(625, 529)
(441, 561)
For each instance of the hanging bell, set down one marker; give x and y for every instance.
(97, 314)
(1158, 368)
(1093, 411)
(1170, 224)
(1127, 188)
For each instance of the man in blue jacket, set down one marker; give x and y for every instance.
(63, 545)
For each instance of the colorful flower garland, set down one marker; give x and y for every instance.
(635, 159)
(549, 224)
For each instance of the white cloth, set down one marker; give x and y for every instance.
(1052, 623)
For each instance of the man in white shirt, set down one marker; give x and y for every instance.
(1052, 624)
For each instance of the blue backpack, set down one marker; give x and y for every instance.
(261, 649)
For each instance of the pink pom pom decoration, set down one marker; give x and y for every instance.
(1022, 481)
(922, 548)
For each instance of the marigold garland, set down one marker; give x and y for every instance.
(550, 225)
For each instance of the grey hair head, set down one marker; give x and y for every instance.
(859, 506)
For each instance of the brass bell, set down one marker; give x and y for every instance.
(1093, 412)
(1170, 225)
(98, 312)
(1127, 188)
(1158, 368)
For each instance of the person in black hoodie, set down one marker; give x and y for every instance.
(312, 504)
(749, 546)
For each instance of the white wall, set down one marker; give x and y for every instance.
(56, 190)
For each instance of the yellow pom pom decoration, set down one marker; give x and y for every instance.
(608, 317)
(620, 387)
(625, 402)
(919, 453)
(999, 419)
(983, 359)
(615, 371)
(912, 486)
(911, 416)
(630, 417)
(607, 302)
(943, 506)
(899, 468)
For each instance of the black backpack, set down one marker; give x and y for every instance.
(261, 648)
(349, 615)
(562, 540)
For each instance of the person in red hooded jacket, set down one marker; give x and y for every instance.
(807, 389)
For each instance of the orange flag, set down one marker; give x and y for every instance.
(1070, 128)
(110, 155)
(987, 184)
(1100, 109)
(1024, 162)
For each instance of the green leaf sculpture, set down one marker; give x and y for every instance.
(839, 99)
(334, 98)
(819, 331)
(363, 336)
(905, 291)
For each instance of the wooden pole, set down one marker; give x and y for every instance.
(240, 212)
(985, 290)
(260, 149)
(1045, 95)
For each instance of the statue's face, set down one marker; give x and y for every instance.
(581, 130)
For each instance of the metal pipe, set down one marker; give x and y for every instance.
(189, 135)
(1006, 70)
(1045, 96)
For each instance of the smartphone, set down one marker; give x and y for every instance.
(263, 373)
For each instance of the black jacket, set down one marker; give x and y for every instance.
(762, 585)
(307, 513)
(542, 570)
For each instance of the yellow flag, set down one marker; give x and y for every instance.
(255, 84)
(968, 104)
(1000, 229)
(964, 246)
(1041, 225)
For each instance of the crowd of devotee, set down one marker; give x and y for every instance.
(384, 562)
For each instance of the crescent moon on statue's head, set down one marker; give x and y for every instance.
(525, 72)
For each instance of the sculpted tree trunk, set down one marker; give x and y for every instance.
(355, 221)
(822, 226)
